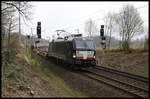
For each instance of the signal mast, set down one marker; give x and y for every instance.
(103, 43)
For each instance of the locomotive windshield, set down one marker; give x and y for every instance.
(84, 44)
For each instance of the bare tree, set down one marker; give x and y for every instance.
(3, 24)
(109, 25)
(8, 24)
(9, 12)
(11, 27)
(90, 27)
(130, 24)
(14, 7)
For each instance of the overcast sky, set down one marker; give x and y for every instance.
(73, 15)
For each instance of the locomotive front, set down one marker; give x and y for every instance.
(84, 52)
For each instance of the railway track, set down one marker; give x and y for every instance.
(120, 81)
(128, 83)
(125, 74)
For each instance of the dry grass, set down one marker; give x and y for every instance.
(135, 62)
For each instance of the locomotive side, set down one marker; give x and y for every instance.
(78, 51)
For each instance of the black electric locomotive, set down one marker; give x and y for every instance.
(78, 51)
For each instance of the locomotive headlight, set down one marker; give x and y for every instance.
(74, 56)
(94, 56)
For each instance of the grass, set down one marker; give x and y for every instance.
(130, 69)
(14, 74)
(138, 71)
(118, 48)
(117, 58)
(46, 74)
(111, 48)
(137, 47)
(114, 61)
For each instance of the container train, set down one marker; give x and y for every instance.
(40, 47)
(77, 51)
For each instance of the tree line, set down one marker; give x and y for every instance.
(126, 23)
(11, 11)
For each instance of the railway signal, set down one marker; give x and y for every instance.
(102, 30)
(28, 36)
(39, 29)
(103, 38)
(102, 34)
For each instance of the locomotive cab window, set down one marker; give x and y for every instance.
(84, 44)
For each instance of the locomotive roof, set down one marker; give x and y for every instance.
(76, 38)
(83, 38)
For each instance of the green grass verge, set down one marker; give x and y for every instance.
(118, 48)
(137, 47)
(111, 48)
(55, 81)
(13, 74)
